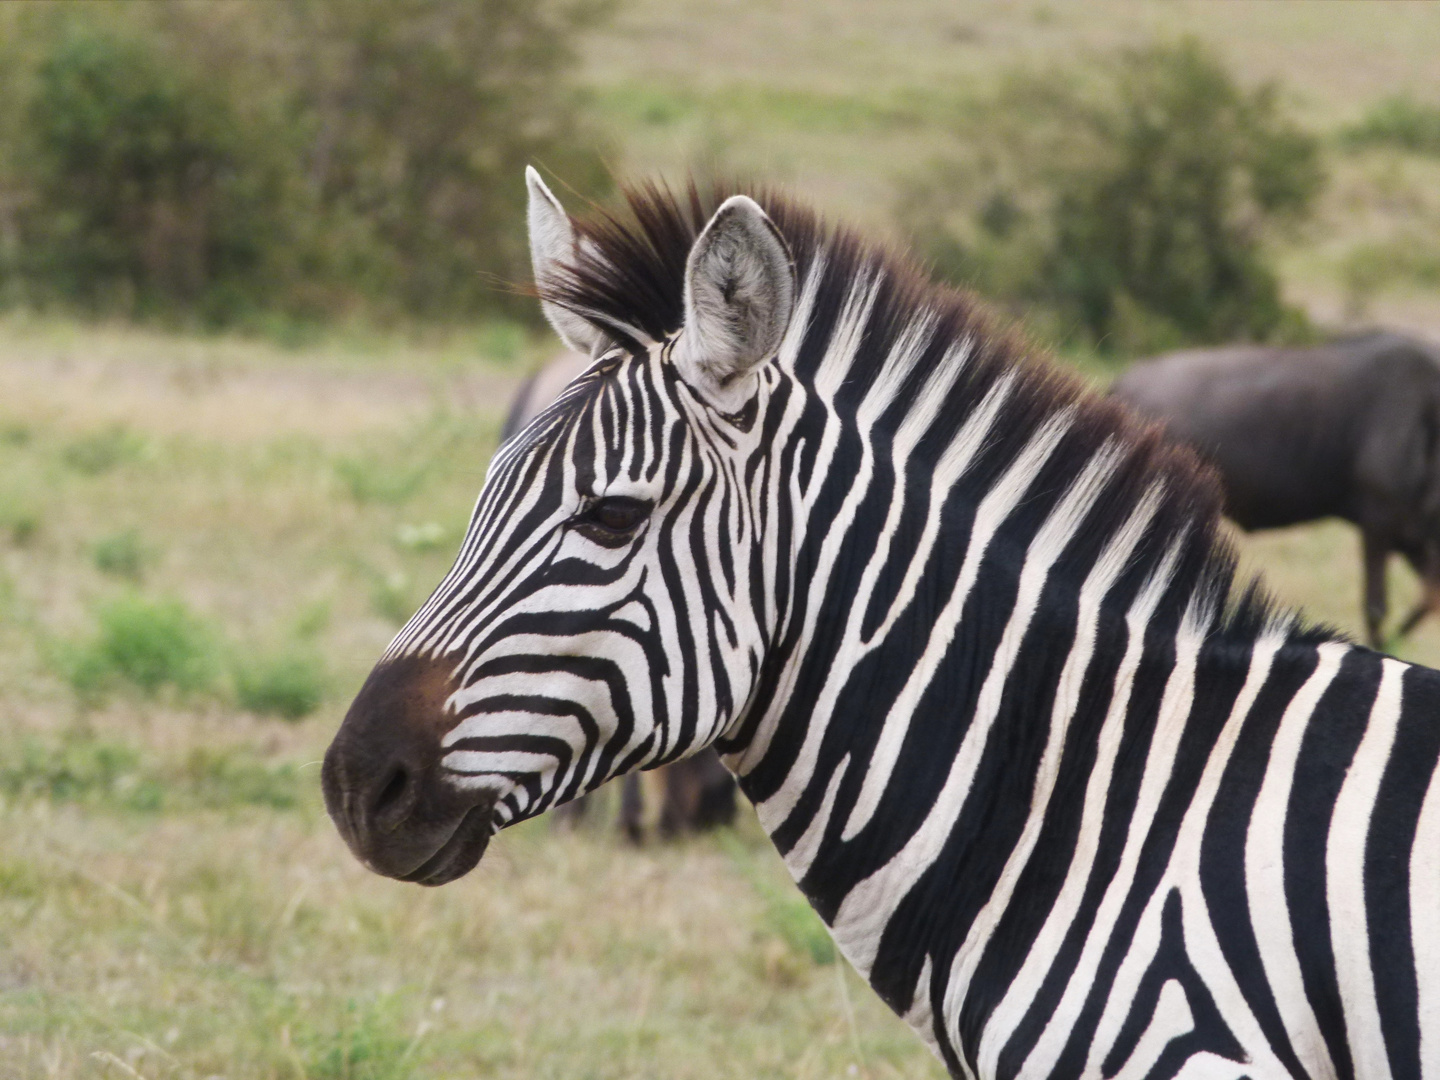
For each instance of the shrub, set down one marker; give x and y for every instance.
(1131, 207)
(103, 450)
(149, 644)
(76, 770)
(1396, 121)
(420, 125)
(291, 161)
(122, 554)
(19, 520)
(290, 685)
(14, 433)
(220, 779)
(143, 185)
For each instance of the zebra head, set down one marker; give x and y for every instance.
(604, 613)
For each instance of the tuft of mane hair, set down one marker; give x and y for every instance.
(629, 274)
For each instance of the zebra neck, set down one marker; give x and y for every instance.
(965, 683)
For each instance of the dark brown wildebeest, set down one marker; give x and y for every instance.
(698, 792)
(1349, 430)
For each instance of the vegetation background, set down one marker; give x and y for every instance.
(256, 335)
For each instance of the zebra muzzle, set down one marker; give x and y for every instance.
(394, 804)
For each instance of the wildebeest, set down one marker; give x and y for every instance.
(698, 792)
(1347, 430)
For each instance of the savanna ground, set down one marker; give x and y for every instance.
(173, 901)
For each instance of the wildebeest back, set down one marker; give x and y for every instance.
(1345, 430)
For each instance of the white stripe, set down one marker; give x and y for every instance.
(1208, 1066)
(1171, 1019)
(997, 505)
(1345, 877)
(1026, 984)
(1265, 870)
(799, 857)
(497, 761)
(920, 1015)
(1183, 873)
(1170, 723)
(952, 465)
(1067, 699)
(513, 722)
(1425, 925)
(845, 340)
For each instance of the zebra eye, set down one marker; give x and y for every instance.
(613, 519)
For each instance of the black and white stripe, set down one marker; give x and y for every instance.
(1073, 803)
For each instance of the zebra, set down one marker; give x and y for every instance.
(1075, 799)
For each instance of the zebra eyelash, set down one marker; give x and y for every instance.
(612, 520)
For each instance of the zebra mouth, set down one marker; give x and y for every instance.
(459, 854)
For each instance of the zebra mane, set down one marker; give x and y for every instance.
(629, 275)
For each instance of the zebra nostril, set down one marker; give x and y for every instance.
(393, 803)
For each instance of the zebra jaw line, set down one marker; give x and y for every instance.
(1071, 800)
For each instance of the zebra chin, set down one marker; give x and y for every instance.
(397, 807)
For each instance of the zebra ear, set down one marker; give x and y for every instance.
(739, 295)
(552, 244)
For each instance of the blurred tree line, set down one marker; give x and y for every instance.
(1125, 206)
(233, 163)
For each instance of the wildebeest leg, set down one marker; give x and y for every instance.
(632, 808)
(699, 794)
(573, 813)
(1429, 601)
(1376, 552)
(717, 793)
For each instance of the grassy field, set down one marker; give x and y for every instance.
(205, 543)
(174, 902)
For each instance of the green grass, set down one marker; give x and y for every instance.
(107, 776)
(147, 644)
(100, 451)
(289, 684)
(123, 555)
(19, 520)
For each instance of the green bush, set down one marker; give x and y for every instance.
(1131, 207)
(14, 433)
(147, 644)
(142, 189)
(1396, 121)
(103, 450)
(274, 164)
(77, 770)
(19, 520)
(290, 684)
(123, 555)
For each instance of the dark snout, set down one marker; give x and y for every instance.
(384, 785)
